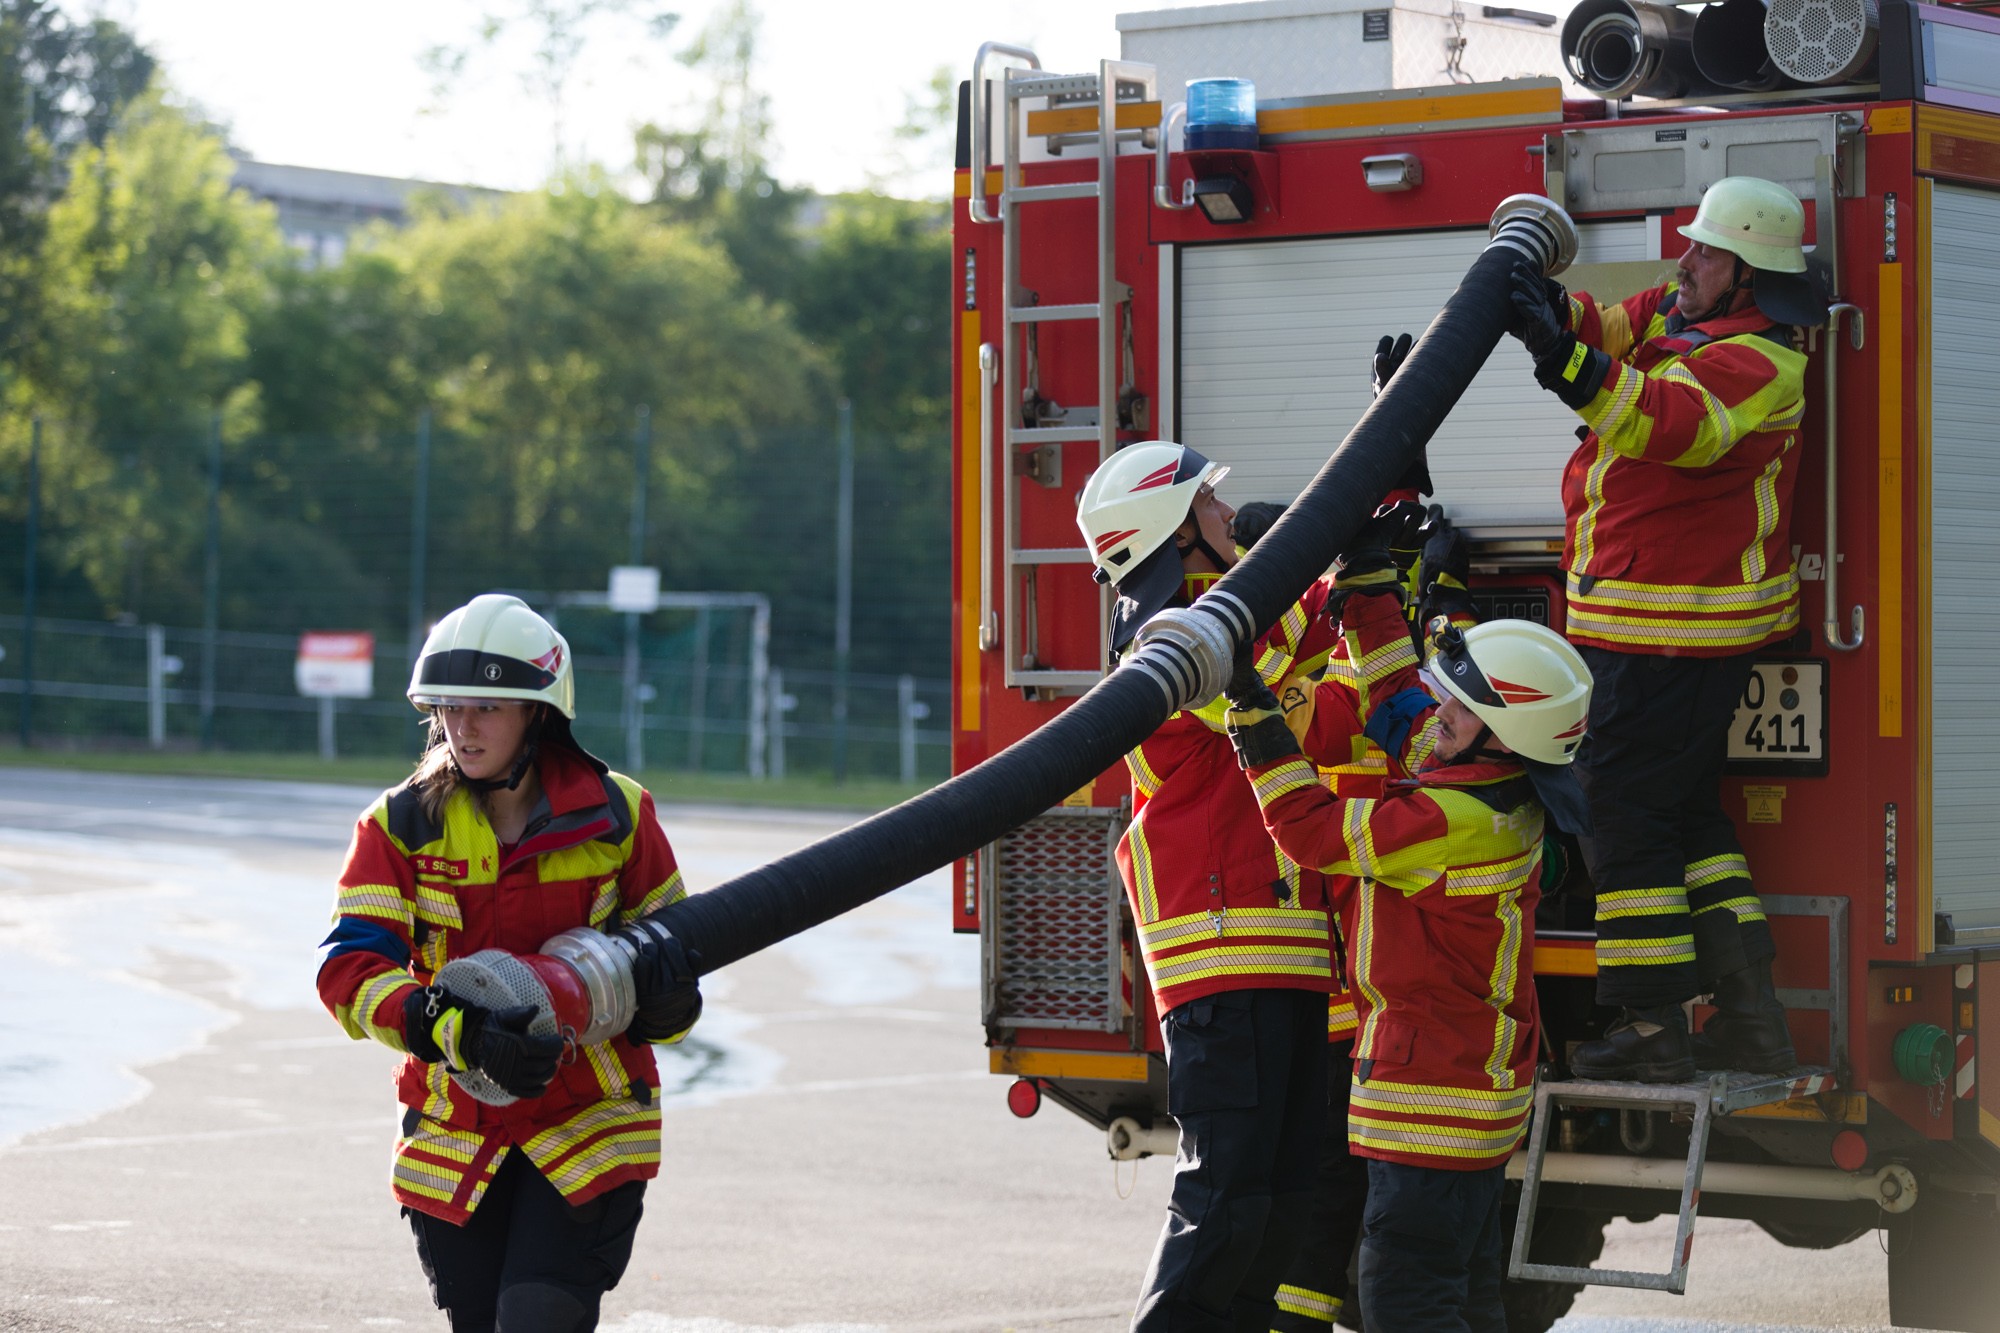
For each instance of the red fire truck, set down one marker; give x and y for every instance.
(1114, 286)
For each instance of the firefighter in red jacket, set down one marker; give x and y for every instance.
(525, 1200)
(1678, 552)
(1444, 869)
(1234, 934)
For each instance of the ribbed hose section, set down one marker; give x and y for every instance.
(1183, 656)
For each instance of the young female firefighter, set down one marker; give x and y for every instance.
(507, 834)
(1444, 868)
(1234, 934)
(1680, 567)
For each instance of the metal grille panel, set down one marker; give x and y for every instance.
(1050, 923)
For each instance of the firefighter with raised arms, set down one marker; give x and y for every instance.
(1444, 869)
(1678, 552)
(524, 1203)
(1234, 934)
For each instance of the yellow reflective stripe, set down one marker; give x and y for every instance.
(1342, 1016)
(1615, 408)
(1634, 953)
(666, 894)
(1376, 667)
(440, 1092)
(1141, 855)
(1667, 900)
(1435, 1099)
(1713, 869)
(438, 906)
(1748, 908)
(1492, 876)
(1236, 960)
(610, 1073)
(1423, 743)
(603, 903)
(1721, 431)
(1692, 598)
(1500, 989)
(1593, 504)
(1765, 491)
(1304, 922)
(384, 902)
(368, 998)
(1744, 632)
(1308, 1304)
(1435, 1140)
(631, 1137)
(1358, 837)
(1288, 870)
(1143, 777)
(1288, 775)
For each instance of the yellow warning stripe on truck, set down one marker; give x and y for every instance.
(1100, 1065)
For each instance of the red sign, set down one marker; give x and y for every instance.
(336, 664)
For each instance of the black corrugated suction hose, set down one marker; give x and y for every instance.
(1183, 655)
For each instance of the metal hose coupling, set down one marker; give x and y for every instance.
(1188, 650)
(579, 983)
(1536, 227)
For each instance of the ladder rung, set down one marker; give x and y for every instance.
(1040, 314)
(1052, 434)
(1050, 555)
(1041, 194)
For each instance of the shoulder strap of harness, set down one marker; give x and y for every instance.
(407, 822)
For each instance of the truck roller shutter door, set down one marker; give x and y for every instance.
(1274, 346)
(1964, 555)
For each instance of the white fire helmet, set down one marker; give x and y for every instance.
(1128, 512)
(1522, 680)
(1763, 224)
(494, 647)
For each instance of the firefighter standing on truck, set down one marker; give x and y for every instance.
(1444, 870)
(1234, 934)
(507, 834)
(1678, 552)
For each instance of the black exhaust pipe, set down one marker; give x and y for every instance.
(1729, 47)
(1183, 655)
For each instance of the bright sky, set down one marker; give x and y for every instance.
(339, 85)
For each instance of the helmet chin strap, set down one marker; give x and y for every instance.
(530, 745)
(1477, 750)
(1200, 543)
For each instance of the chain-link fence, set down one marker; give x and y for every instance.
(215, 553)
(169, 687)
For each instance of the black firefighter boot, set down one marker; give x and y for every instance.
(1643, 1046)
(1747, 1030)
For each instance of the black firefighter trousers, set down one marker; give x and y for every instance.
(1675, 906)
(1314, 1292)
(1246, 1080)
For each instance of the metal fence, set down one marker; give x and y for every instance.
(698, 700)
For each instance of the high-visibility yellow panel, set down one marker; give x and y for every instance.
(1069, 1064)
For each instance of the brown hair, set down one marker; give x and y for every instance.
(437, 775)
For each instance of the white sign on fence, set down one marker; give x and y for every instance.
(334, 665)
(635, 588)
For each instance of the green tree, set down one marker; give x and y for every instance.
(543, 326)
(151, 270)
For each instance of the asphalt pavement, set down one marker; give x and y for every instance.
(187, 1140)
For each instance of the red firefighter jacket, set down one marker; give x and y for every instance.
(1217, 906)
(1444, 869)
(1678, 502)
(415, 893)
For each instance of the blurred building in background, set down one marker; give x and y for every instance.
(319, 210)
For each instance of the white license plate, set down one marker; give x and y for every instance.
(1782, 714)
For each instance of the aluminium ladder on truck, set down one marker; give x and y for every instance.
(1098, 111)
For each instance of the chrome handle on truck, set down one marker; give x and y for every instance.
(1162, 196)
(989, 624)
(982, 131)
(1858, 336)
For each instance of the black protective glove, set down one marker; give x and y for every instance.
(437, 1025)
(1387, 545)
(669, 995)
(1541, 330)
(1444, 572)
(1255, 719)
(1388, 359)
(1571, 370)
